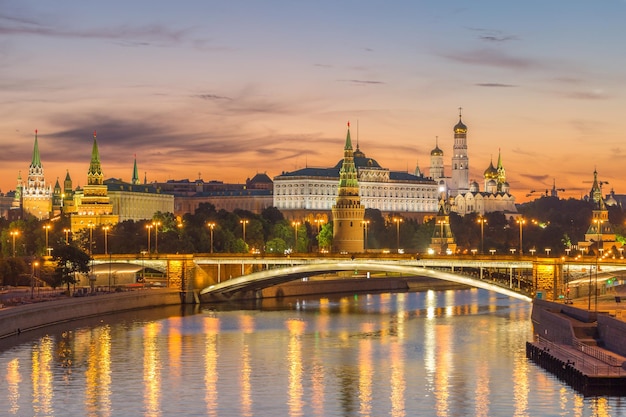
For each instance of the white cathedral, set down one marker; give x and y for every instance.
(464, 196)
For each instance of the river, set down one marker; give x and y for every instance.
(434, 353)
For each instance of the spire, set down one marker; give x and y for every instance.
(135, 179)
(36, 158)
(499, 166)
(95, 176)
(348, 140)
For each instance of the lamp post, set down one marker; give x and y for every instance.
(599, 234)
(521, 221)
(47, 228)
(211, 227)
(156, 225)
(441, 223)
(106, 240)
(397, 220)
(32, 280)
(243, 225)
(91, 226)
(149, 228)
(14, 234)
(365, 224)
(482, 221)
(319, 223)
(295, 229)
(67, 235)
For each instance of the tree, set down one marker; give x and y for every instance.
(69, 260)
(325, 236)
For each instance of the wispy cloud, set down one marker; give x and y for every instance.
(127, 35)
(494, 85)
(362, 82)
(489, 35)
(491, 58)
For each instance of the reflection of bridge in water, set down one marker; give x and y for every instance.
(229, 275)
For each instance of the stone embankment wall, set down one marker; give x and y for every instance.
(14, 320)
(613, 332)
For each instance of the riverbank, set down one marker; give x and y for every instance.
(586, 349)
(16, 320)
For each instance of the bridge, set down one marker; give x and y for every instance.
(226, 275)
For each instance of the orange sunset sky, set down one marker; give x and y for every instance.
(226, 89)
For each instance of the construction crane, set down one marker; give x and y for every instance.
(554, 192)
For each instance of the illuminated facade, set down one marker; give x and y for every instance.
(36, 195)
(311, 192)
(466, 196)
(348, 213)
(93, 207)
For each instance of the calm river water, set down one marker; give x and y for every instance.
(447, 353)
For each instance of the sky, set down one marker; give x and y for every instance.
(223, 90)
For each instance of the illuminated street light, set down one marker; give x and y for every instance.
(397, 220)
(295, 228)
(47, 228)
(243, 224)
(106, 241)
(211, 227)
(521, 221)
(149, 229)
(481, 220)
(67, 236)
(365, 224)
(32, 280)
(547, 251)
(14, 234)
(156, 225)
(91, 226)
(319, 223)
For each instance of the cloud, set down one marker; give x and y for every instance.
(490, 58)
(586, 95)
(362, 82)
(211, 97)
(494, 85)
(126, 35)
(491, 36)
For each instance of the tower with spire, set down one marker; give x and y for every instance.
(348, 213)
(436, 162)
(93, 208)
(36, 195)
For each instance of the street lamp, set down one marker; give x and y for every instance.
(14, 234)
(47, 228)
(156, 225)
(365, 224)
(441, 223)
(211, 227)
(91, 226)
(149, 228)
(67, 235)
(547, 251)
(397, 220)
(319, 223)
(32, 280)
(521, 221)
(106, 241)
(481, 220)
(243, 224)
(295, 228)
(599, 234)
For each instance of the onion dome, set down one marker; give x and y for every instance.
(473, 187)
(436, 151)
(491, 171)
(460, 127)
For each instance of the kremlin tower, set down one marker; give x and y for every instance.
(348, 213)
(36, 195)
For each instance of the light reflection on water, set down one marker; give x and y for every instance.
(446, 353)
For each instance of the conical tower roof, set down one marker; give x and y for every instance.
(36, 162)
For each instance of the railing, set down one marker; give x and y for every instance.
(583, 361)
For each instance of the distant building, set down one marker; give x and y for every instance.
(311, 192)
(466, 196)
(254, 195)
